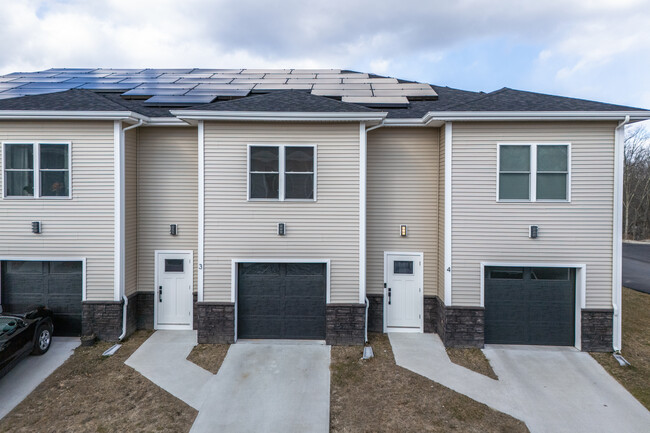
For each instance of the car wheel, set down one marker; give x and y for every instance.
(43, 340)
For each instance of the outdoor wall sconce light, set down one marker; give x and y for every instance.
(402, 230)
(281, 229)
(533, 232)
(36, 227)
(173, 229)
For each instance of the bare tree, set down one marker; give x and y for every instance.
(636, 184)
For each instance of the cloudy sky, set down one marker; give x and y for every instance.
(594, 49)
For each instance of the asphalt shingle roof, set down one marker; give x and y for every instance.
(69, 100)
(518, 100)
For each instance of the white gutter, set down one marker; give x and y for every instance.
(68, 115)
(533, 115)
(285, 116)
(120, 224)
(617, 254)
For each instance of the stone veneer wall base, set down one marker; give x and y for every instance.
(376, 313)
(102, 318)
(215, 322)
(345, 324)
(597, 330)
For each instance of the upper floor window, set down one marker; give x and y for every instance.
(36, 170)
(283, 172)
(534, 172)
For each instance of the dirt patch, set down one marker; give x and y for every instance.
(378, 396)
(636, 347)
(473, 359)
(91, 393)
(209, 356)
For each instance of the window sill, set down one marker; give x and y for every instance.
(19, 198)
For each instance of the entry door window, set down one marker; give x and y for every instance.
(403, 292)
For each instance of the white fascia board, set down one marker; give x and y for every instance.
(280, 116)
(167, 121)
(66, 115)
(534, 115)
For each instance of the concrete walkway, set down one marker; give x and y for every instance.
(551, 389)
(260, 387)
(162, 360)
(31, 371)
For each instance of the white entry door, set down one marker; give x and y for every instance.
(174, 292)
(403, 300)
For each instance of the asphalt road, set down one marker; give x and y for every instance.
(636, 266)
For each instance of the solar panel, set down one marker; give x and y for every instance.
(374, 100)
(271, 87)
(341, 92)
(184, 100)
(165, 86)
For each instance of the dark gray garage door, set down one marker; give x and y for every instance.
(281, 300)
(530, 306)
(57, 285)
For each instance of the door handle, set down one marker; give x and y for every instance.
(389, 296)
(160, 294)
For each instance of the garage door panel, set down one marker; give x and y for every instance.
(57, 285)
(304, 327)
(282, 300)
(523, 308)
(260, 326)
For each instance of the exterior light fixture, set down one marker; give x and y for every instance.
(533, 232)
(36, 227)
(281, 229)
(402, 230)
(173, 229)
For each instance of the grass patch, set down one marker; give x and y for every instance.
(209, 356)
(473, 359)
(378, 396)
(91, 393)
(636, 347)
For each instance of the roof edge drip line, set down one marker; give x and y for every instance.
(278, 116)
(72, 115)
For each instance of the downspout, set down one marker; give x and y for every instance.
(367, 302)
(122, 290)
(617, 277)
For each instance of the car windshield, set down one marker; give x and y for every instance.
(8, 324)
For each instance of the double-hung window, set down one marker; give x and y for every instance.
(36, 170)
(282, 172)
(534, 172)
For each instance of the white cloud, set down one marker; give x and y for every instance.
(595, 49)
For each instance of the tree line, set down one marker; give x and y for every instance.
(636, 184)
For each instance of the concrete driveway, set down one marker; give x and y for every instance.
(551, 389)
(31, 371)
(281, 386)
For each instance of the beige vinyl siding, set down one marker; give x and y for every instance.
(441, 214)
(325, 229)
(130, 211)
(576, 232)
(402, 189)
(167, 194)
(80, 227)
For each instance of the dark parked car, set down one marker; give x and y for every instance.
(22, 334)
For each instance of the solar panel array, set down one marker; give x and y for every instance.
(184, 87)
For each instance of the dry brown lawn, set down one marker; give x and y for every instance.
(473, 359)
(91, 393)
(209, 356)
(636, 347)
(378, 396)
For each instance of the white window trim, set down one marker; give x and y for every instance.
(532, 192)
(281, 172)
(580, 289)
(36, 145)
